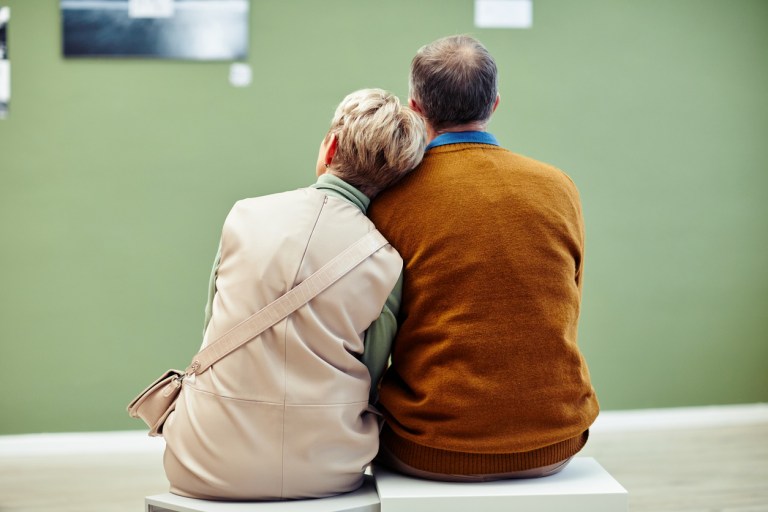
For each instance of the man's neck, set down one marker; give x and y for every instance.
(475, 126)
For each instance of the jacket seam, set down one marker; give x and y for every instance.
(268, 402)
(289, 322)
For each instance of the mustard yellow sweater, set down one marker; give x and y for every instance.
(486, 375)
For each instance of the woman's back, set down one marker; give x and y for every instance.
(286, 415)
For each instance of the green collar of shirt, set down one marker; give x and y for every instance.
(336, 187)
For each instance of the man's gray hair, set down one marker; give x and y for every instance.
(453, 80)
(379, 140)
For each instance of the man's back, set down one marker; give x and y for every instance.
(486, 376)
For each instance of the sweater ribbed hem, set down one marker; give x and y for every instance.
(449, 462)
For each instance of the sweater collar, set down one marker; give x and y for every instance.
(462, 138)
(336, 187)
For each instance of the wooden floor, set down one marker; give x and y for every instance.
(698, 470)
(716, 469)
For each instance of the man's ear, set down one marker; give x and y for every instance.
(330, 148)
(496, 103)
(415, 106)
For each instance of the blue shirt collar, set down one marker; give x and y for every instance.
(463, 137)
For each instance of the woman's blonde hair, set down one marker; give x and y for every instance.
(378, 140)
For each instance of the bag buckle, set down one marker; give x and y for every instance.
(192, 368)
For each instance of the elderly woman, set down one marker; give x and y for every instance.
(287, 415)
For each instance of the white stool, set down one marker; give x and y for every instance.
(583, 486)
(364, 499)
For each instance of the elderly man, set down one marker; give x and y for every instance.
(486, 380)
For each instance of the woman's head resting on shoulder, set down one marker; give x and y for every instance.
(373, 141)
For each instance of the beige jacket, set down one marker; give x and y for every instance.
(286, 415)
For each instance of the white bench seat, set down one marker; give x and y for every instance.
(583, 486)
(364, 499)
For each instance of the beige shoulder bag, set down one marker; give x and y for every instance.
(154, 404)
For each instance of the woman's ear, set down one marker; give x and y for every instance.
(330, 148)
(325, 154)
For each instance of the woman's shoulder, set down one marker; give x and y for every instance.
(278, 200)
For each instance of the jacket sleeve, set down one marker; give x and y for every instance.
(211, 290)
(379, 337)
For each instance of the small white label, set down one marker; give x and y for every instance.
(5, 81)
(150, 8)
(240, 75)
(504, 13)
(5, 87)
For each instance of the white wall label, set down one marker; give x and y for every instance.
(240, 74)
(504, 13)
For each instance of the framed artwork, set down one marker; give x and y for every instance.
(163, 29)
(5, 63)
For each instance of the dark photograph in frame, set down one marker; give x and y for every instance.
(163, 29)
(5, 63)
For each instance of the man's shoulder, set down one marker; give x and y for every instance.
(463, 155)
(536, 170)
(447, 171)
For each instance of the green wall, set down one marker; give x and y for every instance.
(115, 177)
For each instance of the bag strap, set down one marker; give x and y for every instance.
(280, 308)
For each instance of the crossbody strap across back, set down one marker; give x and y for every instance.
(292, 300)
